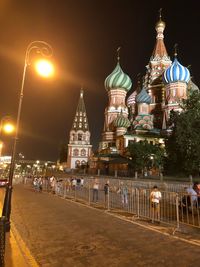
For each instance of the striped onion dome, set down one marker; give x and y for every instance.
(143, 97)
(121, 121)
(131, 99)
(118, 79)
(176, 73)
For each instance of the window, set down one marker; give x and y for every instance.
(77, 163)
(83, 152)
(75, 152)
(79, 137)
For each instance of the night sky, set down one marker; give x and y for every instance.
(84, 35)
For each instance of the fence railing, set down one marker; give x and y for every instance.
(133, 198)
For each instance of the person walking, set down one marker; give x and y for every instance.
(155, 197)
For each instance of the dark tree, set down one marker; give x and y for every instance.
(63, 152)
(183, 146)
(144, 155)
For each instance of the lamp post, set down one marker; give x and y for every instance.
(44, 49)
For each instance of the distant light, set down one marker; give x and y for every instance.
(8, 128)
(44, 68)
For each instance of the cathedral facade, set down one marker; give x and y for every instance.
(144, 114)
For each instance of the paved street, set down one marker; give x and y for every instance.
(60, 233)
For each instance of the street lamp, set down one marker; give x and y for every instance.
(45, 50)
(7, 127)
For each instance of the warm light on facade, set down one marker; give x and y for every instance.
(44, 68)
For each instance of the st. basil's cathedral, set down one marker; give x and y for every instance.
(142, 114)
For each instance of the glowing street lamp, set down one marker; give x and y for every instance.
(7, 127)
(44, 68)
(45, 50)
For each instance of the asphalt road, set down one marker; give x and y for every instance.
(60, 233)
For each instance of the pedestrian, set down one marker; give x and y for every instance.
(82, 181)
(53, 185)
(40, 182)
(35, 183)
(74, 183)
(123, 190)
(106, 193)
(192, 195)
(196, 188)
(155, 197)
(95, 190)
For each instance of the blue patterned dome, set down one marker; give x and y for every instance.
(118, 79)
(176, 73)
(121, 121)
(143, 97)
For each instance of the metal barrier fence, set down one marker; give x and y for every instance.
(2, 241)
(172, 208)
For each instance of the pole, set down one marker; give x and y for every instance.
(44, 49)
(8, 196)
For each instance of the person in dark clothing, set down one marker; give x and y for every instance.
(106, 193)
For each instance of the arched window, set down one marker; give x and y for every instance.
(77, 163)
(73, 137)
(83, 162)
(83, 152)
(79, 137)
(75, 152)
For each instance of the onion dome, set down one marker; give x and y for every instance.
(118, 79)
(121, 121)
(131, 99)
(143, 97)
(176, 73)
(160, 24)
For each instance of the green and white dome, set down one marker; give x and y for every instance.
(118, 79)
(121, 121)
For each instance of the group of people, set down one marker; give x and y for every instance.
(122, 190)
(192, 197)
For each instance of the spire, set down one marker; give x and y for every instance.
(80, 119)
(159, 49)
(175, 50)
(118, 53)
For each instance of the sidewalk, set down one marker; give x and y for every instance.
(16, 252)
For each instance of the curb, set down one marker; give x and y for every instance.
(18, 247)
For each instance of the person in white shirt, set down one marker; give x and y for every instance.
(95, 190)
(155, 197)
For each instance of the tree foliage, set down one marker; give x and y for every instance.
(144, 155)
(183, 146)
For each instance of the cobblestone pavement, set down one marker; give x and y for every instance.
(60, 233)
